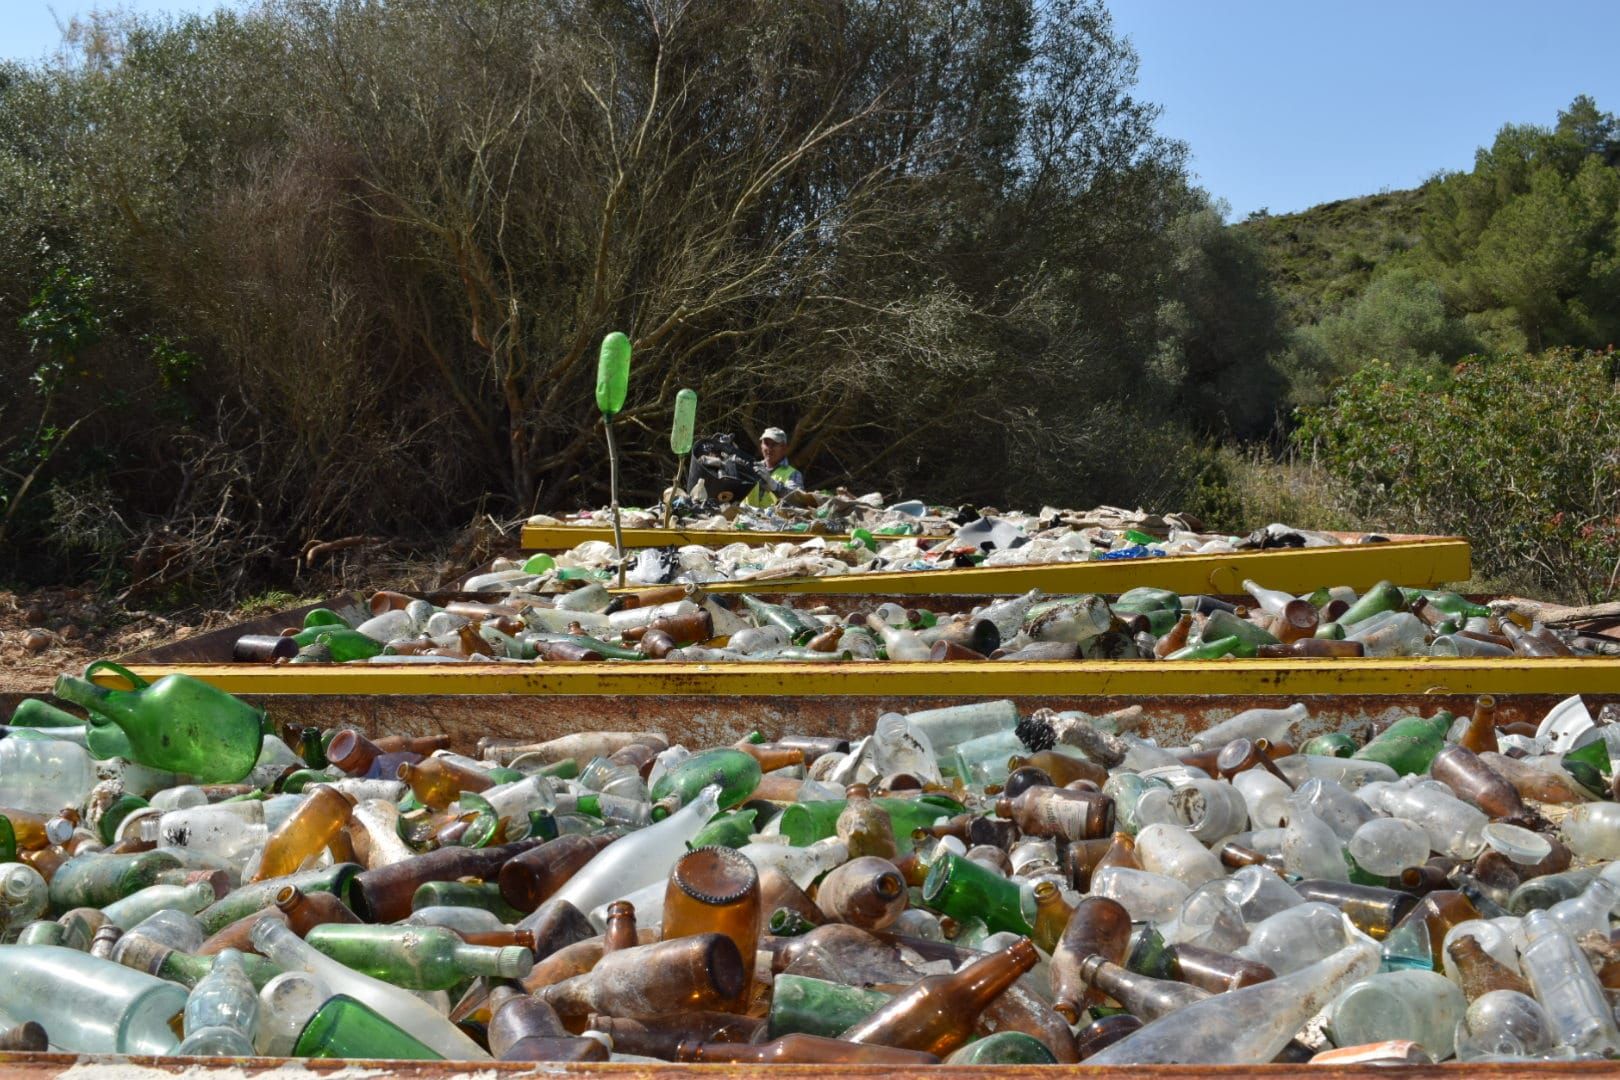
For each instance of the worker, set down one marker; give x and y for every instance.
(777, 477)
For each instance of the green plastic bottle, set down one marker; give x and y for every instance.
(961, 888)
(684, 424)
(344, 1027)
(737, 774)
(417, 957)
(613, 374)
(802, 1005)
(178, 724)
(1409, 744)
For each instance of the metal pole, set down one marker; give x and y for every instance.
(669, 501)
(613, 494)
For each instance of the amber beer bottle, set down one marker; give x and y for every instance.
(528, 880)
(1479, 972)
(524, 1028)
(716, 890)
(439, 781)
(1098, 927)
(937, 1013)
(308, 829)
(1475, 783)
(868, 892)
(1053, 811)
(701, 971)
(1480, 735)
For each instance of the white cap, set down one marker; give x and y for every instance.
(775, 435)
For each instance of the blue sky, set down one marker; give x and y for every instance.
(1284, 103)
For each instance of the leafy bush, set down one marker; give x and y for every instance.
(1520, 454)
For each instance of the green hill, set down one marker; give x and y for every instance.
(1322, 257)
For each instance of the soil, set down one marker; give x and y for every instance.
(51, 631)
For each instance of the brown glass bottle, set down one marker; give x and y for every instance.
(524, 1028)
(237, 935)
(1461, 770)
(621, 927)
(1375, 911)
(1422, 880)
(716, 890)
(438, 782)
(1525, 643)
(26, 1038)
(1062, 768)
(957, 826)
(356, 755)
(867, 892)
(529, 879)
(305, 911)
(1313, 648)
(937, 1013)
(1103, 1033)
(384, 894)
(1053, 811)
(865, 827)
(815, 746)
(1142, 996)
(1121, 852)
(312, 825)
(1298, 621)
(1098, 927)
(1480, 735)
(1052, 914)
(801, 1049)
(777, 891)
(1081, 860)
(1440, 911)
(661, 1036)
(1478, 972)
(700, 971)
(1174, 638)
(1214, 971)
(1236, 856)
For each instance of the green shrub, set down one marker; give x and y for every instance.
(1520, 454)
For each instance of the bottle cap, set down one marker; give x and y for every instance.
(514, 962)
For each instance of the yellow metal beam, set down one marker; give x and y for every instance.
(1296, 570)
(978, 679)
(564, 537)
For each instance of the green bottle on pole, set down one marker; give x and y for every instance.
(612, 384)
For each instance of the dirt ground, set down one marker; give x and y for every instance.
(47, 632)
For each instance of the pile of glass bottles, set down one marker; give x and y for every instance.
(683, 623)
(919, 544)
(965, 884)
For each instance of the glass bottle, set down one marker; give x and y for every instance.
(1461, 770)
(937, 1014)
(1480, 735)
(398, 1006)
(439, 781)
(1577, 1010)
(337, 879)
(1248, 1026)
(716, 890)
(1054, 811)
(1374, 911)
(1409, 744)
(961, 888)
(803, 1049)
(868, 892)
(529, 879)
(1004, 1048)
(864, 827)
(97, 879)
(1211, 970)
(1439, 911)
(1143, 996)
(43, 775)
(700, 971)
(1422, 1006)
(347, 1028)
(178, 723)
(305, 832)
(1477, 972)
(417, 958)
(736, 773)
(88, 1004)
(524, 1028)
(812, 1006)
(222, 1012)
(648, 855)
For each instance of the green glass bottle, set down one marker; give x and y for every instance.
(1212, 650)
(312, 747)
(346, 1028)
(1589, 765)
(8, 840)
(607, 649)
(323, 617)
(417, 957)
(726, 830)
(806, 1006)
(189, 969)
(785, 922)
(1004, 1048)
(806, 822)
(37, 712)
(179, 724)
(1330, 631)
(1454, 604)
(113, 815)
(337, 879)
(1409, 744)
(784, 618)
(342, 643)
(1333, 744)
(1221, 624)
(1376, 600)
(1145, 599)
(961, 888)
(296, 782)
(97, 879)
(486, 895)
(1149, 953)
(737, 774)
